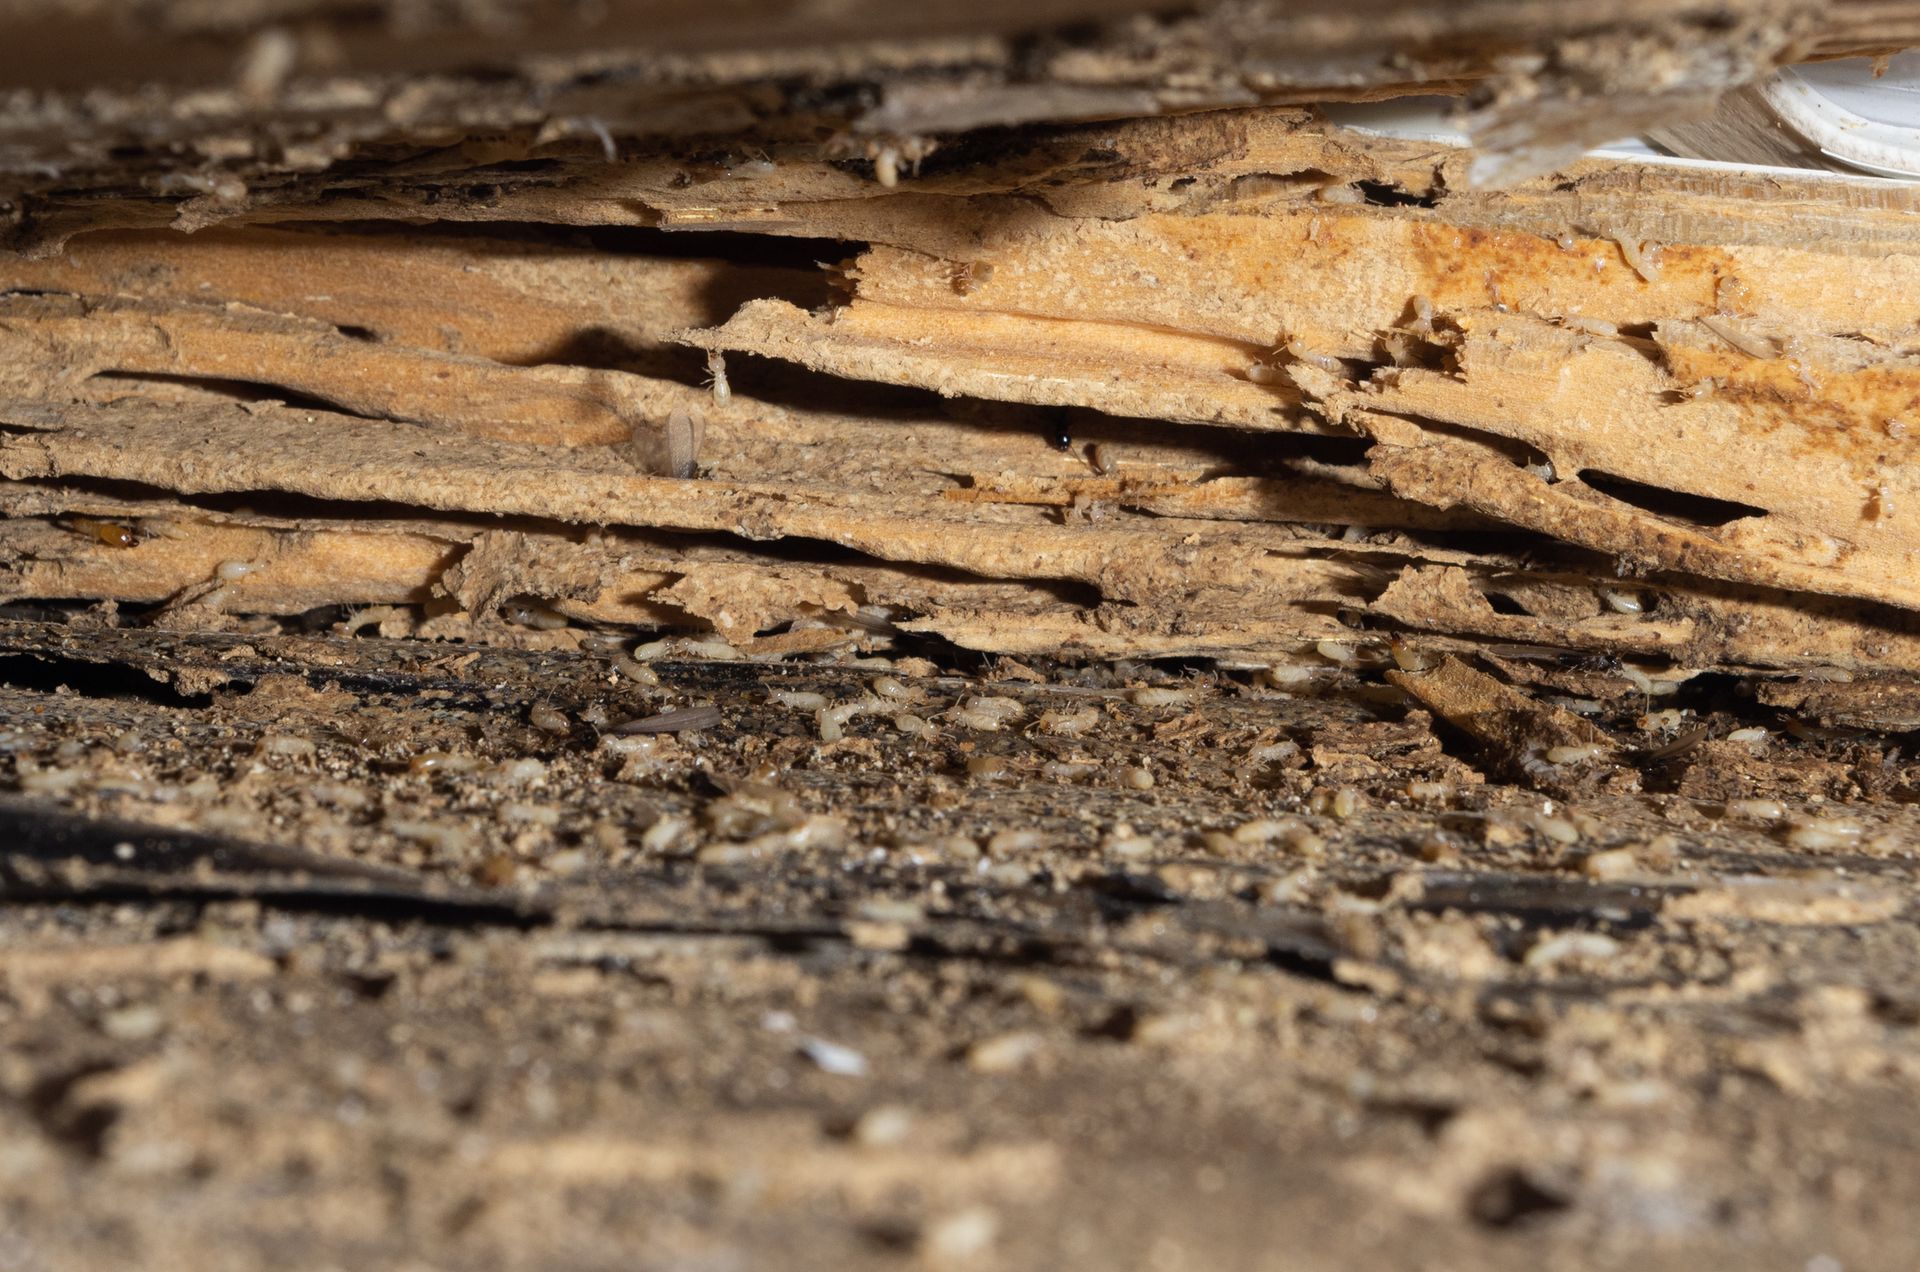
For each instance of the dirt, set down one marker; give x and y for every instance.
(321, 951)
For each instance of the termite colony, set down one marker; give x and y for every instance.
(1268, 369)
(1417, 341)
(888, 154)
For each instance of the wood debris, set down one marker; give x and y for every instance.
(1245, 384)
(973, 635)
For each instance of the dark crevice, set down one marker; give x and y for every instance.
(1504, 604)
(81, 1125)
(46, 673)
(1677, 505)
(1391, 194)
(238, 390)
(1510, 1198)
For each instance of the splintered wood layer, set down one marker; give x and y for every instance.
(199, 46)
(198, 116)
(1576, 387)
(520, 300)
(61, 546)
(978, 190)
(996, 464)
(1362, 313)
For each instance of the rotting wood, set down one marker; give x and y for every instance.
(1206, 746)
(1238, 384)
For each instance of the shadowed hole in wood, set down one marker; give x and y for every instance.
(1510, 1198)
(1391, 194)
(48, 674)
(1675, 505)
(235, 390)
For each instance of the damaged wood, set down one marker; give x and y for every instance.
(1241, 384)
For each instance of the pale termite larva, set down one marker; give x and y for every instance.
(270, 57)
(1423, 316)
(1326, 362)
(757, 164)
(524, 612)
(1643, 256)
(1590, 326)
(889, 155)
(969, 275)
(1407, 658)
(717, 378)
(1101, 457)
(1745, 341)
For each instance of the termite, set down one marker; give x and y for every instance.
(889, 154)
(1326, 362)
(1643, 256)
(968, 275)
(111, 533)
(717, 378)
